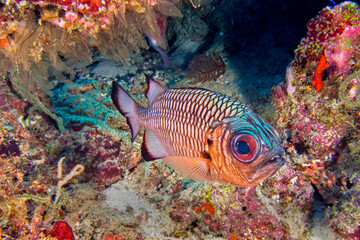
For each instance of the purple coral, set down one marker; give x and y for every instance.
(102, 158)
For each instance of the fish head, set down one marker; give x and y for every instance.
(244, 151)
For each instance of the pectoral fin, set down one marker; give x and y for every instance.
(196, 168)
(152, 148)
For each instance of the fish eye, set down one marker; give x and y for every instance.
(244, 147)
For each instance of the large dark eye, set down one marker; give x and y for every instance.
(244, 147)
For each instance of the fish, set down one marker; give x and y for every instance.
(202, 134)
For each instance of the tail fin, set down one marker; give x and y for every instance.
(127, 107)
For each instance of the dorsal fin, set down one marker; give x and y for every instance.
(154, 88)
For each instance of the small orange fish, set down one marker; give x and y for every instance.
(203, 134)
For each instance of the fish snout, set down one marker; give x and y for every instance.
(278, 159)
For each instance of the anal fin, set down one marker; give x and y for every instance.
(195, 168)
(152, 148)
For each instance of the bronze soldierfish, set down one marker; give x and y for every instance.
(203, 134)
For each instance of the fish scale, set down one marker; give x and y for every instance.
(181, 117)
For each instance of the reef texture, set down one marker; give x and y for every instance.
(68, 168)
(319, 109)
(39, 204)
(45, 40)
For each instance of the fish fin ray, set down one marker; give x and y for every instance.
(154, 89)
(152, 147)
(127, 107)
(195, 168)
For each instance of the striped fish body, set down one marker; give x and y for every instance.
(180, 118)
(203, 134)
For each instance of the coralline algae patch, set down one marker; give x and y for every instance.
(242, 214)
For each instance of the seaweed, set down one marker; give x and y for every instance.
(207, 67)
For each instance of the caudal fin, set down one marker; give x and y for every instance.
(127, 107)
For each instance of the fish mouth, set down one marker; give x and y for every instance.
(267, 169)
(275, 160)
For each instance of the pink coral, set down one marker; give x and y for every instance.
(327, 26)
(320, 137)
(246, 215)
(340, 51)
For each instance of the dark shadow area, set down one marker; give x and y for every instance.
(260, 37)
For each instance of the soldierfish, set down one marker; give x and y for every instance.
(203, 134)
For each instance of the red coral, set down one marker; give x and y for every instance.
(206, 207)
(319, 72)
(61, 231)
(110, 236)
(206, 67)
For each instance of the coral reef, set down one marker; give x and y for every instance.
(322, 124)
(27, 191)
(345, 215)
(46, 48)
(43, 40)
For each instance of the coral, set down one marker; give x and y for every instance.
(322, 126)
(206, 207)
(9, 149)
(319, 72)
(61, 231)
(105, 161)
(243, 207)
(20, 188)
(95, 111)
(344, 216)
(351, 101)
(64, 180)
(344, 50)
(207, 67)
(110, 236)
(327, 26)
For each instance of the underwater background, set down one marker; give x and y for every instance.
(68, 168)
